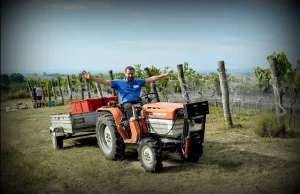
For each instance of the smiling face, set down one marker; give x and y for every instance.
(129, 74)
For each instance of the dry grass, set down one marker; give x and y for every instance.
(234, 160)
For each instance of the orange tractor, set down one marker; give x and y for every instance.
(154, 127)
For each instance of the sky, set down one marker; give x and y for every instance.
(68, 36)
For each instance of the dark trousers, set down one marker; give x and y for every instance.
(127, 107)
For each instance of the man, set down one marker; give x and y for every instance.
(33, 94)
(39, 94)
(129, 88)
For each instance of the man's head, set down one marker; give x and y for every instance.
(129, 73)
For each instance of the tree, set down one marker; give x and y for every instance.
(4, 79)
(212, 81)
(16, 78)
(286, 74)
(263, 78)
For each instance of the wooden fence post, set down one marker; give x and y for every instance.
(60, 91)
(112, 77)
(87, 84)
(225, 93)
(276, 85)
(29, 86)
(44, 92)
(53, 89)
(99, 91)
(183, 87)
(69, 88)
(152, 84)
(49, 95)
(81, 86)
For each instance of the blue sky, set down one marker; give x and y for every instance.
(64, 36)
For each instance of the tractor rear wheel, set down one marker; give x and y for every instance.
(109, 140)
(150, 156)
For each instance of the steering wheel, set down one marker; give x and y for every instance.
(145, 98)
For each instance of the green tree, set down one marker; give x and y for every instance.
(263, 78)
(212, 82)
(5, 79)
(16, 78)
(287, 75)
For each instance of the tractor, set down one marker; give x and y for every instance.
(153, 127)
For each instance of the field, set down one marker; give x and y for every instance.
(234, 160)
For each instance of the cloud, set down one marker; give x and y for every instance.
(72, 5)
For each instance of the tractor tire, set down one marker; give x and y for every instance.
(150, 155)
(57, 142)
(109, 140)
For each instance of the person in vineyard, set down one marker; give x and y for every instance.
(33, 94)
(129, 88)
(39, 95)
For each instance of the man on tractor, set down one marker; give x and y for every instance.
(152, 126)
(129, 88)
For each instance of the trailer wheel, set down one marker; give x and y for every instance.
(57, 142)
(109, 140)
(149, 151)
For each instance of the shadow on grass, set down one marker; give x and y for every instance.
(223, 156)
(88, 141)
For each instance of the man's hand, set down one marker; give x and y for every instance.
(168, 73)
(85, 74)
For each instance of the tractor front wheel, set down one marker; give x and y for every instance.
(150, 156)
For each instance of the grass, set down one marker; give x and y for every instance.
(234, 161)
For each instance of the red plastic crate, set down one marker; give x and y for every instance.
(108, 99)
(88, 105)
(76, 107)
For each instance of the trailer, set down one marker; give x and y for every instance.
(81, 121)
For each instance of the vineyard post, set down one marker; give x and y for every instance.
(44, 92)
(99, 91)
(87, 84)
(225, 93)
(81, 86)
(112, 77)
(69, 88)
(182, 84)
(49, 95)
(276, 84)
(53, 89)
(60, 91)
(30, 89)
(152, 84)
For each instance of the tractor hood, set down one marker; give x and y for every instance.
(163, 110)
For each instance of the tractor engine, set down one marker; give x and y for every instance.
(165, 118)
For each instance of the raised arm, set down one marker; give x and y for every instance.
(157, 77)
(87, 75)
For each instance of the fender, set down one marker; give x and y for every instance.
(117, 114)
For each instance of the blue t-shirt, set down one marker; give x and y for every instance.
(128, 91)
